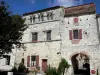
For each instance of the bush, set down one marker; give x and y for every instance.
(51, 71)
(21, 68)
(14, 69)
(62, 66)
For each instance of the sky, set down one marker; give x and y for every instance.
(23, 6)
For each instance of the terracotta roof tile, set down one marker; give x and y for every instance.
(82, 9)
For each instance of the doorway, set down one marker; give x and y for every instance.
(80, 63)
(44, 65)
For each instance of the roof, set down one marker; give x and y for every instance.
(70, 11)
(81, 9)
(41, 10)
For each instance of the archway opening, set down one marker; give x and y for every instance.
(80, 63)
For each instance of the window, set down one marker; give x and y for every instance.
(33, 19)
(39, 17)
(30, 19)
(48, 35)
(47, 16)
(42, 17)
(51, 16)
(33, 60)
(34, 36)
(75, 34)
(23, 60)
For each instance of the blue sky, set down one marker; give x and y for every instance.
(23, 6)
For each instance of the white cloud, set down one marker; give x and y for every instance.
(68, 3)
(32, 1)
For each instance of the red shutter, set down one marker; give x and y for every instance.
(28, 61)
(75, 20)
(70, 34)
(80, 34)
(37, 61)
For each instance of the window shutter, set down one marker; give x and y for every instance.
(70, 34)
(28, 61)
(37, 61)
(80, 33)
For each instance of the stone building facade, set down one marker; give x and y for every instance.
(58, 32)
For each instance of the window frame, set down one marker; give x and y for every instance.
(33, 60)
(74, 34)
(48, 33)
(31, 19)
(42, 17)
(35, 34)
(71, 34)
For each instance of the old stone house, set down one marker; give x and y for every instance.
(62, 32)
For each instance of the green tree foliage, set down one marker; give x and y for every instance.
(62, 66)
(11, 29)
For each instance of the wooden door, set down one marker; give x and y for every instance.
(44, 64)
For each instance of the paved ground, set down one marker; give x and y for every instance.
(36, 74)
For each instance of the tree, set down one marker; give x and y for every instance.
(11, 29)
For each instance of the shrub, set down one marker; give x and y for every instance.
(62, 66)
(14, 69)
(21, 68)
(51, 71)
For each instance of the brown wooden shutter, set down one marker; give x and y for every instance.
(37, 61)
(28, 61)
(70, 34)
(80, 33)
